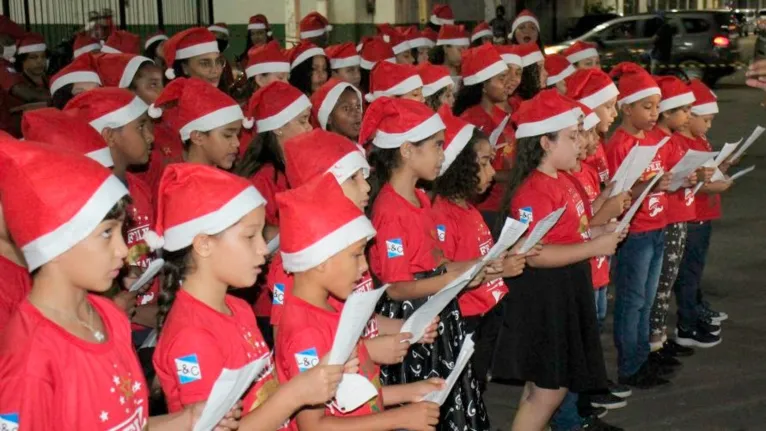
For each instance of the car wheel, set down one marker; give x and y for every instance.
(693, 69)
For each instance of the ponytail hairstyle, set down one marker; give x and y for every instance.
(467, 97)
(263, 150)
(461, 180)
(530, 82)
(177, 265)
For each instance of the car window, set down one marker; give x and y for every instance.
(695, 25)
(762, 13)
(620, 31)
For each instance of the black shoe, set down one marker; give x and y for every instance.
(619, 390)
(607, 401)
(665, 361)
(696, 338)
(592, 423)
(705, 311)
(590, 411)
(671, 348)
(646, 378)
(707, 325)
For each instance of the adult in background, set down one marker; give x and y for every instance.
(501, 27)
(663, 43)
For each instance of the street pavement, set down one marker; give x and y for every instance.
(723, 388)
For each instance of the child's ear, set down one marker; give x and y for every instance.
(196, 138)
(109, 136)
(626, 109)
(202, 245)
(406, 150)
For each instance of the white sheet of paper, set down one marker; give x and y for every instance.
(495, 135)
(634, 164)
(722, 155)
(227, 390)
(750, 140)
(356, 313)
(742, 173)
(418, 321)
(637, 203)
(462, 360)
(273, 245)
(512, 231)
(353, 391)
(541, 228)
(689, 163)
(622, 171)
(151, 271)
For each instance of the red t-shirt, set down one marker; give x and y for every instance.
(653, 212)
(707, 207)
(264, 181)
(463, 236)
(305, 335)
(681, 206)
(168, 148)
(197, 342)
(598, 161)
(139, 221)
(15, 285)
(245, 137)
(406, 242)
(590, 186)
(540, 195)
(51, 379)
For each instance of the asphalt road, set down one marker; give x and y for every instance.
(723, 388)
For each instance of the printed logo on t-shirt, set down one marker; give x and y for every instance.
(307, 359)
(395, 248)
(9, 421)
(525, 215)
(188, 369)
(279, 294)
(654, 205)
(441, 232)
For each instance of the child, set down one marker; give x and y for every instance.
(407, 142)
(534, 77)
(337, 107)
(308, 67)
(511, 57)
(210, 225)
(481, 34)
(525, 29)
(558, 68)
(639, 260)
(83, 44)
(266, 64)
(325, 252)
(450, 44)
(707, 208)
(395, 80)
(315, 29)
(438, 88)
(76, 77)
(372, 52)
(399, 44)
(583, 55)
(133, 72)
(552, 299)
(153, 46)
(122, 42)
(344, 63)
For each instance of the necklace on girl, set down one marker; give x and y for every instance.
(98, 335)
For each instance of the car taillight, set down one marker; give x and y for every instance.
(721, 41)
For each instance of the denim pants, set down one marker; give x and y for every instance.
(566, 417)
(639, 261)
(687, 285)
(599, 294)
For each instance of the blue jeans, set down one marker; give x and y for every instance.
(687, 285)
(566, 417)
(600, 296)
(639, 262)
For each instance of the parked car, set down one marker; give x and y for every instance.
(704, 44)
(587, 22)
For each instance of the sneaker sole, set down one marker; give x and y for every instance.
(611, 406)
(690, 342)
(718, 320)
(622, 394)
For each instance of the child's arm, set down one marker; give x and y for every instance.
(415, 289)
(388, 326)
(388, 349)
(414, 417)
(411, 392)
(610, 209)
(556, 255)
(146, 315)
(716, 187)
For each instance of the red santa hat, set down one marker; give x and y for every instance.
(201, 107)
(591, 118)
(65, 130)
(156, 37)
(558, 68)
(374, 51)
(530, 53)
(481, 30)
(107, 107)
(267, 58)
(330, 152)
(392, 122)
(390, 79)
(122, 42)
(274, 105)
(434, 78)
(118, 70)
(259, 22)
(31, 42)
(481, 63)
(10, 28)
(44, 219)
(675, 93)
(187, 44)
(314, 25)
(441, 14)
(81, 69)
(220, 28)
(84, 43)
(334, 224)
(524, 16)
(591, 87)
(398, 41)
(706, 102)
(342, 55)
(547, 112)
(454, 35)
(510, 54)
(579, 51)
(195, 199)
(430, 34)
(456, 136)
(302, 52)
(417, 38)
(634, 83)
(323, 100)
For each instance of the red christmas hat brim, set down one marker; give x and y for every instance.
(219, 29)
(284, 116)
(86, 49)
(457, 145)
(131, 69)
(268, 67)
(676, 101)
(434, 87)
(34, 47)
(554, 79)
(524, 19)
(601, 96)
(401, 88)
(582, 55)
(155, 38)
(212, 120)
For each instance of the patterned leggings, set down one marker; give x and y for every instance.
(675, 242)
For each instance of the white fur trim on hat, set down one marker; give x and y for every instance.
(73, 77)
(554, 79)
(45, 248)
(130, 70)
(521, 20)
(85, 49)
(256, 26)
(329, 102)
(676, 101)
(153, 240)
(103, 156)
(422, 131)
(368, 65)
(215, 119)
(330, 245)
(590, 121)
(412, 83)
(313, 33)
(182, 235)
(479, 35)
(485, 74)
(421, 41)
(512, 59)
(36, 47)
(270, 67)
(348, 165)
(195, 50)
(109, 50)
(705, 109)
(600, 97)
(460, 41)
(456, 146)
(638, 95)
(401, 47)
(120, 117)
(153, 39)
(283, 117)
(532, 58)
(219, 29)
(582, 55)
(550, 124)
(441, 21)
(434, 87)
(305, 55)
(340, 63)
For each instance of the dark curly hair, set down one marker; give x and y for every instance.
(433, 101)
(461, 180)
(467, 97)
(530, 82)
(177, 264)
(300, 76)
(263, 150)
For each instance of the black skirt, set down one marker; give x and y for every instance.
(549, 333)
(464, 408)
